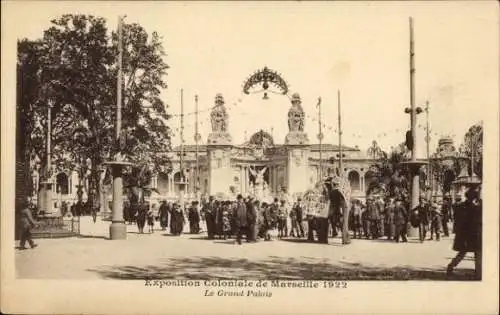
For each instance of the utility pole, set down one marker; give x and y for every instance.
(427, 141)
(197, 138)
(413, 164)
(341, 170)
(182, 182)
(320, 138)
(345, 211)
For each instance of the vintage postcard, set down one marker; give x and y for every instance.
(249, 157)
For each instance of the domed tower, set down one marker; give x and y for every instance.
(296, 119)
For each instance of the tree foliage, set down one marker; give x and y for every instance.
(74, 68)
(472, 147)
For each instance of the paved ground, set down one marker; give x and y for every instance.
(162, 256)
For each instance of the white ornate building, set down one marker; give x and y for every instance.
(226, 169)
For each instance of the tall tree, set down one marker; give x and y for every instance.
(472, 147)
(76, 67)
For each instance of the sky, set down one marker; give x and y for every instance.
(319, 48)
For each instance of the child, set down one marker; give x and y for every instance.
(226, 220)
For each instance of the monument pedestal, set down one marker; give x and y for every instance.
(118, 228)
(297, 169)
(45, 202)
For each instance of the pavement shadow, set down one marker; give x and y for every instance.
(273, 268)
(305, 240)
(94, 236)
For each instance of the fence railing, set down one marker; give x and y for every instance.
(52, 226)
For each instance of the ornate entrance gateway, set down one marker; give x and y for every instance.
(263, 167)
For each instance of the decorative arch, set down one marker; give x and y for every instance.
(265, 76)
(354, 180)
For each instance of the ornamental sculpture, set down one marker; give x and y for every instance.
(219, 116)
(296, 116)
(219, 120)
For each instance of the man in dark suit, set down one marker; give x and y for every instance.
(25, 225)
(209, 212)
(422, 211)
(241, 219)
(399, 219)
(373, 219)
(252, 219)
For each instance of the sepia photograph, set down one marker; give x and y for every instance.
(249, 151)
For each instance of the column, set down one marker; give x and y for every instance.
(245, 179)
(241, 179)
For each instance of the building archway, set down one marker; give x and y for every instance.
(354, 180)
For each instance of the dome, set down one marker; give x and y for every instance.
(261, 138)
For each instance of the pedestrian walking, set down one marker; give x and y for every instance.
(389, 219)
(299, 210)
(252, 220)
(163, 213)
(373, 219)
(194, 218)
(468, 231)
(356, 219)
(141, 217)
(209, 212)
(436, 221)
(241, 219)
(26, 223)
(446, 214)
(422, 216)
(400, 219)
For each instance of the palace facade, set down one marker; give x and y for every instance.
(221, 168)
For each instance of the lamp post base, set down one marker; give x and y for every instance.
(118, 231)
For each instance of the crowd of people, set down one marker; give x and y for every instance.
(377, 218)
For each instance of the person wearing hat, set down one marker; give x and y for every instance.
(241, 219)
(209, 213)
(468, 231)
(373, 219)
(400, 219)
(252, 214)
(421, 212)
(446, 214)
(26, 223)
(163, 213)
(194, 218)
(295, 212)
(435, 221)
